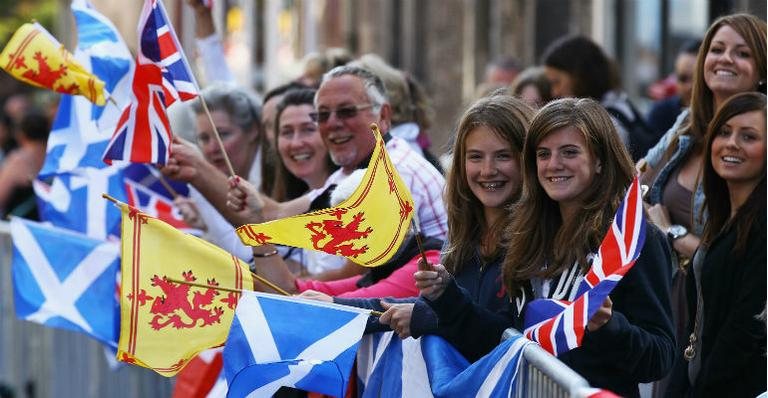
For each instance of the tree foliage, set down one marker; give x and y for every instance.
(13, 13)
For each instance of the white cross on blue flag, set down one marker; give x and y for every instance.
(66, 280)
(73, 177)
(285, 341)
(431, 367)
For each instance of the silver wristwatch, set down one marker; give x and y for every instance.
(675, 232)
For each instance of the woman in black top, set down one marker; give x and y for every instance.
(725, 354)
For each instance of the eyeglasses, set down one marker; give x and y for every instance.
(345, 112)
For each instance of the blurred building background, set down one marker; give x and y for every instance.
(445, 44)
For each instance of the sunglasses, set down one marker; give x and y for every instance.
(345, 112)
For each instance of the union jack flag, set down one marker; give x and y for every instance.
(162, 76)
(558, 325)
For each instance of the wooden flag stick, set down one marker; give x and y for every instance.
(166, 185)
(423, 264)
(227, 289)
(641, 167)
(109, 198)
(218, 137)
(270, 284)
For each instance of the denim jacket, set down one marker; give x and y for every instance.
(665, 170)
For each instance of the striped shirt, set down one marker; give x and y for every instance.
(424, 181)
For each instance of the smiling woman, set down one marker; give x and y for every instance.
(725, 355)
(731, 60)
(236, 113)
(575, 173)
(303, 162)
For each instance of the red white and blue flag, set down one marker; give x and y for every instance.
(558, 325)
(162, 76)
(147, 190)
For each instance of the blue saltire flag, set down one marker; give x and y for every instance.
(431, 367)
(81, 130)
(72, 200)
(285, 341)
(66, 280)
(73, 177)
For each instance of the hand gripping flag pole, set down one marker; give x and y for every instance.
(254, 275)
(161, 77)
(202, 99)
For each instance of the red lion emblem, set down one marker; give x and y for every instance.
(341, 235)
(45, 75)
(174, 307)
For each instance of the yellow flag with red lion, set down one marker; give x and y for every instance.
(35, 57)
(173, 302)
(367, 228)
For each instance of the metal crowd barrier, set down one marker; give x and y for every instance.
(41, 362)
(543, 376)
(37, 361)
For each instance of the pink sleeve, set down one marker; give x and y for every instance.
(333, 288)
(398, 284)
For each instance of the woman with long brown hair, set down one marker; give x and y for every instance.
(731, 60)
(725, 353)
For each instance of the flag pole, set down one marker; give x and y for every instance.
(270, 284)
(165, 183)
(202, 100)
(423, 264)
(109, 198)
(227, 289)
(216, 134)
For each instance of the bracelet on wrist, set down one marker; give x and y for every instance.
(264, 255)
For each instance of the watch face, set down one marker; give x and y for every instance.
(677, 231)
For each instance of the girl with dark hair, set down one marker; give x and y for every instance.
(725, 353)
(577, 67)
(303, 163)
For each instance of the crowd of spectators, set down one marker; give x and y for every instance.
(539, 163)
